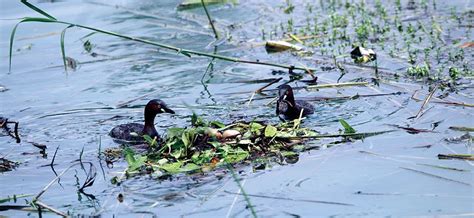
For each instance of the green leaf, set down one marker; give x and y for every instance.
(171, 167)
(174, 132)
(128, 153)
(217, 124)
(347, 128)
(177, 153)
(189, 167)
(255, 128)
(215, 144)
(270, 131)
(25, 2)
(197, 121)
(236, 157)
(185, 139)
(134, 161)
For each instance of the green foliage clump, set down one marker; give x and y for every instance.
(209, 144)
(419, 71)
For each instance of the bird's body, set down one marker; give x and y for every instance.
(134, 132)
(288, 108)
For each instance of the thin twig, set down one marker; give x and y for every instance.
(425, 102)
(443, 101)
(335, 85)
(436, 176)
(262, 88)
(355, 135)
(52, 209)
(291, 199)
(54, 180)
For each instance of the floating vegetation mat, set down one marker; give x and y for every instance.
(207, 145)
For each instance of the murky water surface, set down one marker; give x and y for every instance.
(390, 174)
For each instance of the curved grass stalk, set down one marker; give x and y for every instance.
(63, 51)
(182, 51)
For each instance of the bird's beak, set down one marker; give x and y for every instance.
(167, 110)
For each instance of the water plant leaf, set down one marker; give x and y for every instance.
(217, 124)
(134, 161)
(236, 157)
(270, 131)
(171, 167)
(197, 120)
(347, 128)
(189, 167)
(255, 127)
(150, 141)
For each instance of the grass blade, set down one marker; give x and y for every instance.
(63, 51)
(25, 2)
(246, 197)
(12, 35)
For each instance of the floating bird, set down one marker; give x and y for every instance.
(133, 132)
(288, 108)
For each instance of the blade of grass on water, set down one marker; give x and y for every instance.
(12, 35)
(63, 51)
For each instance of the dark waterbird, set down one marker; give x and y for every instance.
(288, 108)
(133, 132)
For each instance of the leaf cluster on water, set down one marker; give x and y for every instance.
(209, 144)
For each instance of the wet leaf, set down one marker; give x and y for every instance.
(270, 131)
(236, 157)
(347, 128)
(171, 167)
(134, 161)
(217, 124)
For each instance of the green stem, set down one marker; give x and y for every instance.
(216, 34)
(247, 199)
(185, 52)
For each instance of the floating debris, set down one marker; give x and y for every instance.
(459, 139)
(279, 46)
(7, 165)
(363, 55)
(4, 125)
(462, 128)
(456, 156)
(3, 88)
